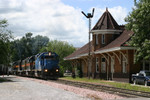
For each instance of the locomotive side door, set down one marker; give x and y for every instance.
(42, 62)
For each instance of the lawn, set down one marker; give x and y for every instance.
(3, 79)
(110, 83)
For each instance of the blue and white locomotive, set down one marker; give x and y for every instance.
(44, 65)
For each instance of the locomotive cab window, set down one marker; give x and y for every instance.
(50, 57)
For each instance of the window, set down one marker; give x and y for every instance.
(96, 39)
(97, 65)
(103, 65)
(124, 65)
(50, 58)
(141, 74)
(103, 38)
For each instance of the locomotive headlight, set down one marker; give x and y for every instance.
(57, 70)
(49, 53)
(46, 70)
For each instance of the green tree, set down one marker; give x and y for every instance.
(39, 42)
(22, 48)
(139, 22)
(27, 46)
(63, 49)
(5, 36)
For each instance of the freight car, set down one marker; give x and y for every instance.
(44, 65)
(16, 67)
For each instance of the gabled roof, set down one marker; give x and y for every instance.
(79, 52)
(118, 42)
(106, 21)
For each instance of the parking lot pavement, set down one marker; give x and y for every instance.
(21, 89)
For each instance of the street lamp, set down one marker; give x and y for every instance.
(89, 16)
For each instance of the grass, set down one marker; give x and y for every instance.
(3, 79)
(110, 83)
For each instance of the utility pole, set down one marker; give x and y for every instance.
(89, 16)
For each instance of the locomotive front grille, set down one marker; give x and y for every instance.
(52, 72)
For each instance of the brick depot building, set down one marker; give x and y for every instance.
(111, 57)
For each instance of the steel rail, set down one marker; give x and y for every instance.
(104, 88)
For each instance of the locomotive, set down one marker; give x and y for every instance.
(43, 65)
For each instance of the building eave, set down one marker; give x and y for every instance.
(77, 57)
(103, 51)
(114, 49)
(108, 31)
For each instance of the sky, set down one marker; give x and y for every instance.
(59, 19)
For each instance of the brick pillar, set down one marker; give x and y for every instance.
(131, 63)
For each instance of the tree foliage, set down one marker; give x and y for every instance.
(27, 46)
(38, 43)
(5, 36)
(63, 49)
(139, 22)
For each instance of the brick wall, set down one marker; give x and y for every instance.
(118, 67)
(108, 38)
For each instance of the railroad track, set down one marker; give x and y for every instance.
(103, 88)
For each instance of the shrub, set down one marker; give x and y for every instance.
(61, 71)
(80, 73)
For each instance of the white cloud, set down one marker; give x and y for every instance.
(51, 18)
(46, 17)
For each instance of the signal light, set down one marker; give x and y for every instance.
(49, 53)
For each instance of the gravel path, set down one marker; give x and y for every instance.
(21, 88)
(24, 88)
